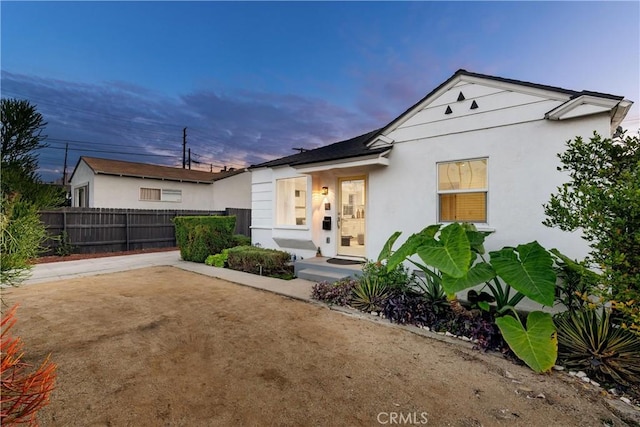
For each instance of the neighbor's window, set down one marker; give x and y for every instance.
(81, 197)
(171, 195)
(291, 201)
(157, 195)
(462, 191)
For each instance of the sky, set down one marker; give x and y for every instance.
(251, 81)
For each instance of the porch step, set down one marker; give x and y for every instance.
(316, 275)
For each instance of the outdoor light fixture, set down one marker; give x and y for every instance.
(325, 191)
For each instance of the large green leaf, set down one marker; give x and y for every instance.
(529, 271)
(479, 273)
(386, 249)
(451, 253)
(409, 247)
(576, 266)
(476, 238)
(537, 346)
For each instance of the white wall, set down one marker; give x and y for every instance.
(233, 192)
(522, 174)
(82, 176)
(124, 192)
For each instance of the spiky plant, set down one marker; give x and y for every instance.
(22, 393)
(588, 341)
(370, 294)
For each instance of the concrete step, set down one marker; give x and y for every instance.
(316, 275)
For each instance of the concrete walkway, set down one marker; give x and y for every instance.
(296, 288)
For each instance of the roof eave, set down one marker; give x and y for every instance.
(561, 112)
(159, 178)
(620, 112)
(378, 159)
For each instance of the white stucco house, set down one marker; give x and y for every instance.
(105, 183)
(478, 148)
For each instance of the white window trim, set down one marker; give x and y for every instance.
(474, 190)
(75, 189)
(307, 225)
(162, 194)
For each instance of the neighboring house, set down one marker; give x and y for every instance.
(104, 183)
(477, 149)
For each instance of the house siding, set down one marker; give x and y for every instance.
(232, 192)
(124, 192)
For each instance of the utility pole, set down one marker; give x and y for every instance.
(64, 170)
(211, 168)
(189, 158)
(184, 147)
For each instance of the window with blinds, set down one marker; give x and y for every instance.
(462, 191)
(160, 195)
(152, 194)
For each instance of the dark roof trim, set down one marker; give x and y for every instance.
(350, 148)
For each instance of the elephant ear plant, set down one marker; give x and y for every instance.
(455, 255)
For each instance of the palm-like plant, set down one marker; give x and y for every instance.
(587, 340)
(370, 294)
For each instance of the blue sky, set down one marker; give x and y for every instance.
(252, 80)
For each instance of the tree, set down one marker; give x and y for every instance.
(602, 199)
(23, 193)
(22, 127)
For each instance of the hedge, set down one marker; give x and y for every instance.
(252, 259)
(201, 236)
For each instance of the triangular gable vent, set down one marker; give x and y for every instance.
(474, 105)
(449, 110)
(380, 141)
(461, 97)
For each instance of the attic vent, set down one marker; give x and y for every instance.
(474, 105)
(461, 97)
(448, 111)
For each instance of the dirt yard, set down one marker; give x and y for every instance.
(165, 347)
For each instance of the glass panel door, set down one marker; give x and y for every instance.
(352, 215)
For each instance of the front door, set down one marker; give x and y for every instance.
(352, 216)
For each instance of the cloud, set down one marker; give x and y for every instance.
(123, 121)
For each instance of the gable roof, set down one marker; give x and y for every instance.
(354, 147)
(145, 170)
(461, 73)
(364, 145)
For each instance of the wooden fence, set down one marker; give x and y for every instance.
(96, 230)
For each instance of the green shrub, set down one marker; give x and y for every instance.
(22, 236)
(601, 200)
(218, 260)
(65, 247)
(241, 240)
(588, 341)
(251, 259)
(201, 236)
(396, 278)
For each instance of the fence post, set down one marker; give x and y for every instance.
(126, 225)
